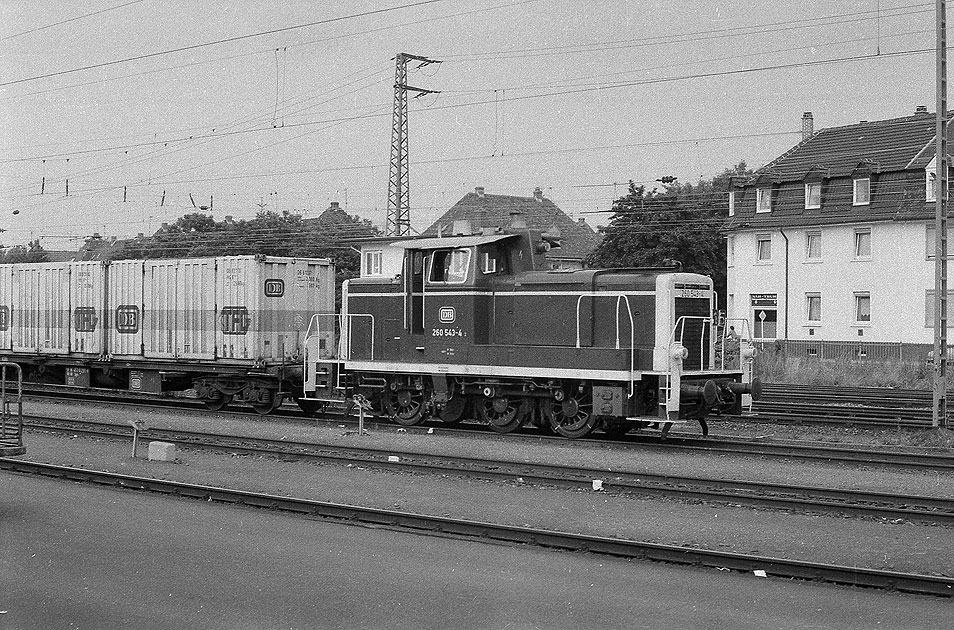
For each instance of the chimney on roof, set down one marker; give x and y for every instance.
(920, 109)
(140, 236)
(480, 191)
(517, 222)
(808, 126)
(538, 194)
(335, 206)
(229, 219)
(462, 228)
(164, 226)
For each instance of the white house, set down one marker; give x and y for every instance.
(834, 239)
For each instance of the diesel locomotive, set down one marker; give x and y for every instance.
(476, 326)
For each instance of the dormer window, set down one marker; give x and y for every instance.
(862, 192)
(812, 195)
(763, 200)
(930, 181)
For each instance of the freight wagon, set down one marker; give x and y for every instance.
(231, 328)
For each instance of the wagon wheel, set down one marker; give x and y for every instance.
(218, 403)
(455, 409)
(266, 407)
(406, 406)
(503, 414)
(573, 416)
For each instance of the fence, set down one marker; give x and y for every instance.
(853, 350)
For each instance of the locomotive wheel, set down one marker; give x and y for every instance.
(217, 404)
(265, 408)
(573, 416)
(406, 406)
(503, 414)
(455, 409)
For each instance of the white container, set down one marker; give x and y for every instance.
(264, 304)
(179, 308)
(6, 307)
(41, 313)
(87, 298)
(124, 300)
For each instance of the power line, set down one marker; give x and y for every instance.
(74, 19)
(227, 40)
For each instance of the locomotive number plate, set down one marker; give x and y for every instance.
(447, 332)
(691, 293)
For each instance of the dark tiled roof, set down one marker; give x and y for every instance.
(884, 145)
(893, 153)
(578, 239)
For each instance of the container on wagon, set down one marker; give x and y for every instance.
(41, 308)
(265, 303)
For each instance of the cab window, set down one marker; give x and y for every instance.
(449, 266)
(493, 260)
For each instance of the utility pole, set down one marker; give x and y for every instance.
(939, 415)
(399, 193)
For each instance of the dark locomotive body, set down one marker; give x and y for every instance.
(471, 326)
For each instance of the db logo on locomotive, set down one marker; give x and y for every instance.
(447, 315)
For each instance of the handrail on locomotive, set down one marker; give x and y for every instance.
(620, 297)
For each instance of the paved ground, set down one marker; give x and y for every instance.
(83, 557)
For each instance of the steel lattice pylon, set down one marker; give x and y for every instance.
(399, 192)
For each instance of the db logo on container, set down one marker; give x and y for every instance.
(447, 315)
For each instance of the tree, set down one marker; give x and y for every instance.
(33, 252)
(681, 222)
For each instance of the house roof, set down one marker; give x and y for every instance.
(893, 153)
(483, 210)
(881, 146)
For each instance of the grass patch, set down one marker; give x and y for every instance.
(774, 366)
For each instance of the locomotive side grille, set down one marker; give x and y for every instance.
(694, 333)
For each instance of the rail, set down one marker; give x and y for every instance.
(620, 299)
(11, 424)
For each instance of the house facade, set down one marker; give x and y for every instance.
(834, 240)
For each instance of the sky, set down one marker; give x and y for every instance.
(147, 110)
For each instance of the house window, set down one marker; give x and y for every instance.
(813, 195)
(930, 245)
(372, 263)
(863, 244)
(730, 251)
(862, 308)
(813, 307)
(813, 246)
(763, 200)
(732, 204)
(764, 247)
(862, 195)
(930, 186)
(929, 306)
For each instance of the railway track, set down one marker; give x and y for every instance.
(484, 531)
(872, 408)
(917, 509)
(922, 458)
(867, 407)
